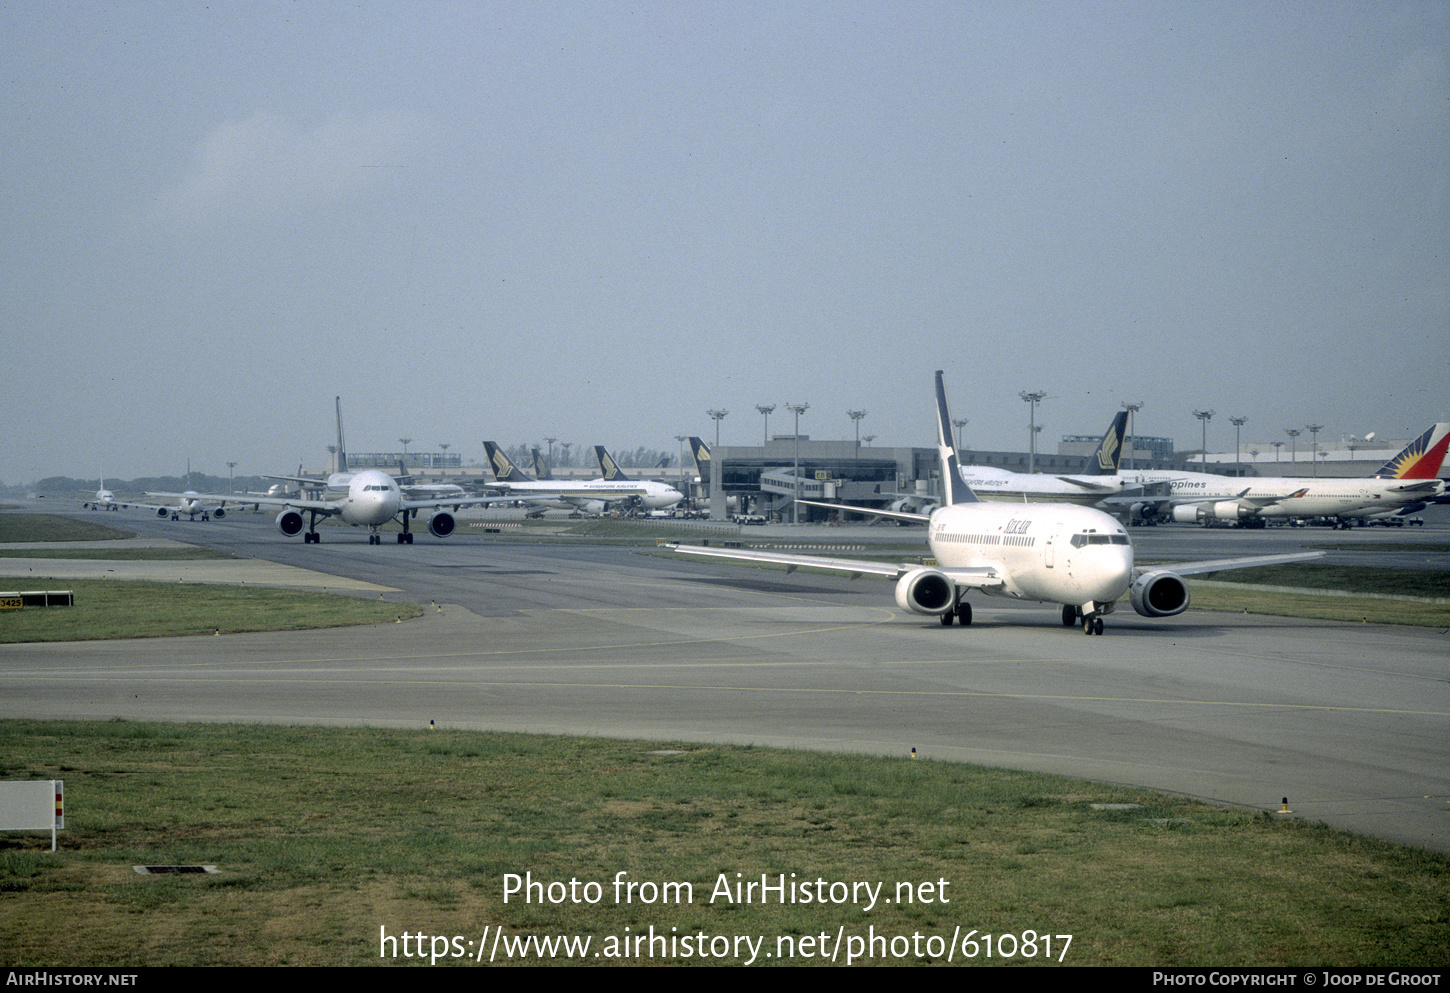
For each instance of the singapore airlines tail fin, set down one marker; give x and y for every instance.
(701, 452)
(1109, 454)
(503, 468)
(957, 490)
(1421, 458)
(609, 470)
(541, 468)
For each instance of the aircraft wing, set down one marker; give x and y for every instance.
(582, 492)
(980, 578)
(237, 500)
(893, 515)
(1421, 485)
(1228, 565)
(439, 502)
(1090, 486)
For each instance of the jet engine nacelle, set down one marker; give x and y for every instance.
(1222, 510)
(290, 523)
(441, 524)
(219, 513)
(926, 591)
(1159, 594)
(163, 511)
(1143, 512)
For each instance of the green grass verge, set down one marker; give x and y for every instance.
(49, 527)
(1348, 578)
(134, 609)
(1350, 609)
(322, 837)
(180, 553)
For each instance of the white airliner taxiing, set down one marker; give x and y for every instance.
(1074, 556)
(192, 504)
(103, 500)
(369, 498)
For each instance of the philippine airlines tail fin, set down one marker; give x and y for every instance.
(957, 491)
(541, 468)
(701, 451)
(503, 469)
(1109, 454)
(1422, 458)
(608, 468)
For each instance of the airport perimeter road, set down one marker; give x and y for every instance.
(1350, 722)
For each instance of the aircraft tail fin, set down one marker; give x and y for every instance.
(956, 488)
(541, 468)
(503, 468)
(341, 447)
(1421, 458)
(608, 468)
(701, 451)
(1109, 454)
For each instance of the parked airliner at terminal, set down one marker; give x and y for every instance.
(1405, 483)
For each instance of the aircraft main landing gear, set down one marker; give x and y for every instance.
(963, 615)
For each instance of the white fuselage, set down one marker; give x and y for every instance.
(1321, 497)
(340, 482)
(189, 503)
(1049, 552)
(367, 498)
(1003, 485)
(652, 495)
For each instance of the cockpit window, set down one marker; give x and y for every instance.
(1093, 538)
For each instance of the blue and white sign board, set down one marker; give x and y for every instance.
(33, 805)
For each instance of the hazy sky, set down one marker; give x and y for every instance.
(598, 220)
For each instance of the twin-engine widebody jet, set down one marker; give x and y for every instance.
(1078, 557)
(192, 504)
(368, 498)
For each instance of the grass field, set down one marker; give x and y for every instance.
(107, 609)
(51, 527)
(324, 839)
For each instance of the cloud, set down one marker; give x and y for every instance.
(269, 165)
